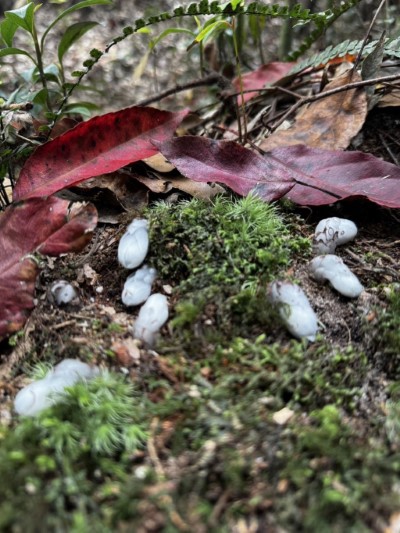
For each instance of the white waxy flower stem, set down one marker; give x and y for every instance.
(134, 244)
(137, 287)
(152, 316)
(332, 232)
(41, 394)
(332, 268)
(294, 308)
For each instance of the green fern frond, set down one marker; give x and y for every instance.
(322, 20)
(391, 49)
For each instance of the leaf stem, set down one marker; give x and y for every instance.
(40, 67)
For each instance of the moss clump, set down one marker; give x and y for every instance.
(389, 337)
(220, 257)
(341, 477)
(58, 468)
(235, 243)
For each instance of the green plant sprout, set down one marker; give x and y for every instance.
(51, 77)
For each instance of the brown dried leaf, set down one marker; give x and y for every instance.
(203, 191)
(159, 163)
(328, 123)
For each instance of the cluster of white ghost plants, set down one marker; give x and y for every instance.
(292, 303)
(132, 251)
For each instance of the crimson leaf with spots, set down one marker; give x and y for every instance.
(38, 225)
(101, 145)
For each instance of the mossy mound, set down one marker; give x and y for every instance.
(202, 445)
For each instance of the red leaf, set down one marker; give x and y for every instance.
(258, 79)
(307, 176)
(36, 225)
(350, 173)
(101, 145)
(202, 159)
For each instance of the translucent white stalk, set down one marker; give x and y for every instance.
(41, 394)
(137, 287)
(134, 244)
(152, 316)
(294, 308)
(332, 232)
(332, 268)
(63, 293)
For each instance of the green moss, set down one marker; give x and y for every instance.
(390, 323)
(228, 242)
(339, 475)
(216, 455)
(220, 257)
(53, 463)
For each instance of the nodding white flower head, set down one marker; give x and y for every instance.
(137, 287)
(41, 394)
(332, 268)
(294, 309)
(134, 244)
(152, 316)
(63, 293)
(332, 232)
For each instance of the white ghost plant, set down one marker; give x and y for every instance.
(294, 309)
(152, 316)
(41, 394)
(332, 268)
(137, 287)
(63, 293)
(134, 244)
(332, 232)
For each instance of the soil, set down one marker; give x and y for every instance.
(98, 329)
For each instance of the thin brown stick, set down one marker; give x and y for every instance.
(358, 59)
(208, 80)
(325, 94)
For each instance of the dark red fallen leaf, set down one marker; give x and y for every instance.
(258, 79)
(202, 159)
(36, 225)
(101, 145)
(353, 173)
(307, 176)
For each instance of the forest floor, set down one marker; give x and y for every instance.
(248, 430)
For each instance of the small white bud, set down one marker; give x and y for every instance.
(332, 232)
(33, 398)
(76, 368)
(332, 268)
(63, 293)
(294, 308)
(134, 244)
(137, 287)
(152, 316)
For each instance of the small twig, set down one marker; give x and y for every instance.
(358, 59)
(219, 507)
(273, 89)
(388, 149)
(325, 94)
(167, 500)
(208, 80)
(151, 448)
(21, 106)
(62, 325)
